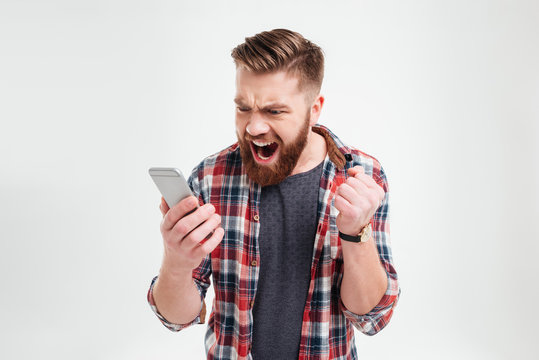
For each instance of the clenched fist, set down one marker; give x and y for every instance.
(357, 199)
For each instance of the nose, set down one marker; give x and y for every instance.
(257, 125)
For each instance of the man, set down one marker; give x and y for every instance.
(293, 226)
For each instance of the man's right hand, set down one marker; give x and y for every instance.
(184, 228)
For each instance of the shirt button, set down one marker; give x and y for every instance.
(254, 262)
(252, 303)
(256, 217)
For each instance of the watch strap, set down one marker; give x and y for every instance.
(363, 236)
(350, 238)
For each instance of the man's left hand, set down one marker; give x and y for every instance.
(357, 199)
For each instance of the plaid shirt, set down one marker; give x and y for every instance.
(327, 328)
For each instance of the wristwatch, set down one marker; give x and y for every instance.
(362, 237)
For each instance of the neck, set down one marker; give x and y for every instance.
(312, 155)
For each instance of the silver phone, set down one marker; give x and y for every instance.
(171, 183)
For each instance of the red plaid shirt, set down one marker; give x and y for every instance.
(327, 329)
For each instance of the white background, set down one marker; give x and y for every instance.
(93, 93)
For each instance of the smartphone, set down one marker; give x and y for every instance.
(171, 183)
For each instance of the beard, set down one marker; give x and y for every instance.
(265, 175)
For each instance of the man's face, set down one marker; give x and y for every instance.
(272, 124)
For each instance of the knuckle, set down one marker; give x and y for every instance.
(166, 218)
(345, 209)
(220, 234)
(351, 181)
(216, 220)
(208, 208)
(169, 218)
(354, 212)
(192, 240)
(207, 247)
(164, 225)
(213, 242)
(181, 228)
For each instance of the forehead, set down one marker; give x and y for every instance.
(275, 86)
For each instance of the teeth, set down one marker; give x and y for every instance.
(262, 144)
(263, 157)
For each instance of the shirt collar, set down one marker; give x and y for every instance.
(338, 152)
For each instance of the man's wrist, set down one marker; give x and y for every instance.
(361, 237)
(174, 272)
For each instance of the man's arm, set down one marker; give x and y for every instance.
(175, 293)
(365, 278)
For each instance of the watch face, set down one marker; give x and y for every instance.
(366, 233)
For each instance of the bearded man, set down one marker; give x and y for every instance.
(292, 228)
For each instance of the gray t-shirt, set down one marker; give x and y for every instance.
(288, 220)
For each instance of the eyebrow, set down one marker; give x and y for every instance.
(271, 105)
(275, 105)
(238, 101)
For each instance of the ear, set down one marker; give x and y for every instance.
(316, 109)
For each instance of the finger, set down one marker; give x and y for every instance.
(378, 192)
(342, 204)
(345, 208)
(368, 180)
(365, 196)
(209, 245)
(356, 170)
(357, 184)
(348, 210)
(179, 211)
(352, 190)
(359, 195)
(195, 237)
(191, 221)
(163, 206)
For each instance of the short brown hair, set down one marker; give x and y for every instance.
(282, 49)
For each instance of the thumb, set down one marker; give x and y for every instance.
(356, 170)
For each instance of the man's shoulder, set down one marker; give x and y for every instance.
(351, 153)
(354, 156)
(370, 164)
(364, 159)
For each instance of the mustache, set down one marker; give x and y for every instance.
(248, 137)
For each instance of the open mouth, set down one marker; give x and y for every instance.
(264, 151)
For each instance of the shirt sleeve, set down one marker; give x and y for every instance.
(376, 319)
(177, 327)
(201, 277)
